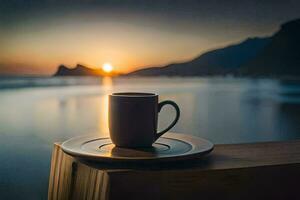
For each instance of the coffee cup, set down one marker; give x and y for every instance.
(133, 119)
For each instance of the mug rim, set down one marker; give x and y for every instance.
(133, 94)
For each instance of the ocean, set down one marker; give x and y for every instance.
(35, 112)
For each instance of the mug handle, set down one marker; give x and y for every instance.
(172, 103)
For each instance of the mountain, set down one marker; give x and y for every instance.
(216, 62)
(278, 55)
(79, 70)
(281, 57)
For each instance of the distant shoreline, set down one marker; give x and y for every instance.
(274, 77)
(69, 81)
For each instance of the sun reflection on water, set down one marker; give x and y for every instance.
(107, 84)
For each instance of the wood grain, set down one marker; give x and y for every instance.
(269, 170)
(70, 179)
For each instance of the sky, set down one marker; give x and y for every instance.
(38, 35)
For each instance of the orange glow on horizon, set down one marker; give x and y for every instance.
(93, 43)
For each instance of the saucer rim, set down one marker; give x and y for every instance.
(196, 150)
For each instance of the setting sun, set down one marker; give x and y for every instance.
(107, 67)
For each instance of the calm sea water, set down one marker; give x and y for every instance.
(35, 112)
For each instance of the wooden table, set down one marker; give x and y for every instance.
(269, 170)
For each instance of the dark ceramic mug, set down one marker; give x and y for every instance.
(133, 119)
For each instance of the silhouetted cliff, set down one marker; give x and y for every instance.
(79, 70)
(281, 57)
(216, 62)
(278, 55)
